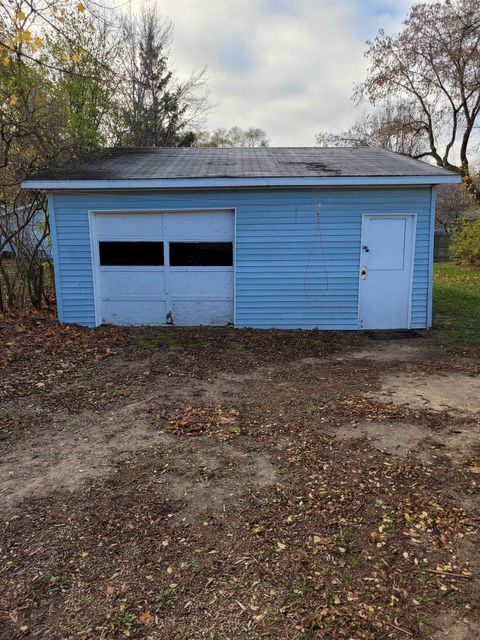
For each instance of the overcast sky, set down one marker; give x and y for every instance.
(287, 66)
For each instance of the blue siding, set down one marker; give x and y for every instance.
(297, 251)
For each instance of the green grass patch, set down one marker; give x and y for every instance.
(299, 590)
(152, 343)
(238, 347)
(169, 596)
(56, 582)
(191, 565)
(456, 305)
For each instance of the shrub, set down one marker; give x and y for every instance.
(465, 245)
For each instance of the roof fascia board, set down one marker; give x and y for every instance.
(205, 183)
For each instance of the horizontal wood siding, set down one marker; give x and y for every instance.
(297, 251)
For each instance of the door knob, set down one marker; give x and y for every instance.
(364, 273)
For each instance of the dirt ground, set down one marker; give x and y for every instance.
(220, 484)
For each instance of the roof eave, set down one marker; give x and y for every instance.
(208, 183)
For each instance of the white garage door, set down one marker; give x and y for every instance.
(164, 268)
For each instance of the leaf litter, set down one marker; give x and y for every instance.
(184, 540)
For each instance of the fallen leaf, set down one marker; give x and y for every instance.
(146, 618)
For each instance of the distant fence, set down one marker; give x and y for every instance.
(441, 246)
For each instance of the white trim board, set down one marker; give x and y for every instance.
(431, 257)
(232, 183)
(56, 257)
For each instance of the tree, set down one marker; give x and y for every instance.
(390, 126)
(157, 108)
(54, 97)
(24, 25)
(453, 205)
(30, 127)
(233, 137)
(433, 67)
(87, 85)
(465, 245)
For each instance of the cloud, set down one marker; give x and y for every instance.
(235, 54)
(287, 66)
(281, 6)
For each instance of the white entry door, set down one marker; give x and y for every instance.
(172, 267)
(386, 271)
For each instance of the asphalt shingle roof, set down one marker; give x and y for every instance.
(279, 162)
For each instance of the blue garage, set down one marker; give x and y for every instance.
(329, 238)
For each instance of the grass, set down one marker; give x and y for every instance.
(456, 305)
(236, 346)
(164, 339)
(56, 581)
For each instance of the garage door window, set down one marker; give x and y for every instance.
(201, 254)
(131, 254)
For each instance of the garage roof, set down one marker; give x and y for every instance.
(225, 166)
